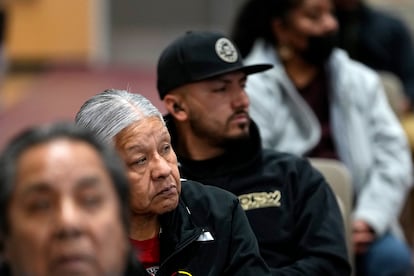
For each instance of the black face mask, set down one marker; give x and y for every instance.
(319, 49)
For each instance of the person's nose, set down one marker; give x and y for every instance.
(330, 23)
(68, 221)
(160, 168)
(240, 99)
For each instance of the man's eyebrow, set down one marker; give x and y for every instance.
(224, 80)
(165, 133)
(37, 188)
(43, 187)
(133, 148)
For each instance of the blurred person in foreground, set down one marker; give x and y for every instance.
(317, 102)
(63, 202)
(178, 226)
(291, 208)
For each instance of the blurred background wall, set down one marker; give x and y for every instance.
(147, 26)
(63, 31)
(128, 31)
(102, 36)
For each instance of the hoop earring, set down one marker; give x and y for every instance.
(285, 52)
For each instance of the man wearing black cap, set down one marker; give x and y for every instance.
(291, 208)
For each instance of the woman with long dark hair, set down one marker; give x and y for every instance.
(317, 102)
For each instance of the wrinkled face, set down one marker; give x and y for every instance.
(64, 214)
(152, 166)
(311, 18)
(218, 108)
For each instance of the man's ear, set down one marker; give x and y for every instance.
(175, 106)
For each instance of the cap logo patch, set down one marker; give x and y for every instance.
(226, 50)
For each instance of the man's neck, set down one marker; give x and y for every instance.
(192, 147)
(144, 227)
(197, 150)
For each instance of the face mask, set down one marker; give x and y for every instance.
(319, 49)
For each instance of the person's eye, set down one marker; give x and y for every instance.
(139, 162)
(220, 89)
(39, 206)
(166, 148)
(91, 201)
(314, 15)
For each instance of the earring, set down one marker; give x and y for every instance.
(285, 52)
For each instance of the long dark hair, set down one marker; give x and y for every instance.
(254, 19)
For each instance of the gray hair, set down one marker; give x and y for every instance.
(109, 112)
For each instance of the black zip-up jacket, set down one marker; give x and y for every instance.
(208, 234)
(291, 208)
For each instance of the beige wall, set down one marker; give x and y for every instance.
(53, 30)
(81, 30)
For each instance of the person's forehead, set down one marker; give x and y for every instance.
(60, 165)
(61, 149)
(141, 132)
(144, 126)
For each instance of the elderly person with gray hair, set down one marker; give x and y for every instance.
(177, 226)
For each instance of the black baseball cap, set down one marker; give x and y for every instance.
(197, 56)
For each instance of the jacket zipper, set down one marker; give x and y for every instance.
(180, 248)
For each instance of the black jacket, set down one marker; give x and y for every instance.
(208, 234)
(291, 208)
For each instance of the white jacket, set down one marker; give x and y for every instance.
(367, 134)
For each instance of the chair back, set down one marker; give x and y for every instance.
(340, 181)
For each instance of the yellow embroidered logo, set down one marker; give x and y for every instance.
(260, 200)
(181, 272)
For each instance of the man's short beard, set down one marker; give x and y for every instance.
(234, 141)
(219, 141)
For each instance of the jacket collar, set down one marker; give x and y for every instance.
(177, 230)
